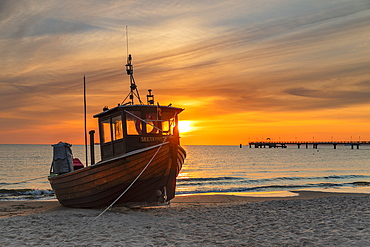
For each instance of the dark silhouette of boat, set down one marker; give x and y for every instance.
(141, 157)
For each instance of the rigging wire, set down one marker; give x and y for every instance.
(28, 180)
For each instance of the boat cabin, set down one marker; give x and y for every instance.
(126, 128)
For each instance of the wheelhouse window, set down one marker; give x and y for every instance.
(134, 126)
(112, 127)
(152, 124)
(167, 126)
(105, 127)
(117, 128)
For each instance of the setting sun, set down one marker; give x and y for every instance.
(184, 126)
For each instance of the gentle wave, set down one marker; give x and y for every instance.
(26, 194)
(275, 188)
(185, 179)
(36, 194)
(240, 179)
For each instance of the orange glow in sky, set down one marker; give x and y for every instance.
(243, 70)
(184, 126)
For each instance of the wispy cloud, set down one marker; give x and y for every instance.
(267, 56)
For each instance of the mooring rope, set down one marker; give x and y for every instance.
(134, 179)
(111, 205)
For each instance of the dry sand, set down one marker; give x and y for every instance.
(310, 219)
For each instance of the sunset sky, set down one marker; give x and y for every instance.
(243, 70)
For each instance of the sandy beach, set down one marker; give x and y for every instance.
(309, 219)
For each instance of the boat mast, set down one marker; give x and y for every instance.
(130, 72)
(87, 162)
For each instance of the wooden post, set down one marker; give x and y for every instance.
(92, 147)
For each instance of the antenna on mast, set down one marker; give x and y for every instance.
(130, 72)
(127, 40)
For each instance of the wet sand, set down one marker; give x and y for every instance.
(311, 218)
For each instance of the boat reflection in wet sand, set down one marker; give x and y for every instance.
(141, 157)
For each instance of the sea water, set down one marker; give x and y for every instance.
(208, 169)
(229, 169)
(24, 170)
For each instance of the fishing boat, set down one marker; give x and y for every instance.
(141, 157)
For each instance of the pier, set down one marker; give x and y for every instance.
(272, 144)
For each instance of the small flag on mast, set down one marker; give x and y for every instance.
(159, 111)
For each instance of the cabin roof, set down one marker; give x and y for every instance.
(137, 108)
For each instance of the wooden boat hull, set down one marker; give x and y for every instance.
(100, 184)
